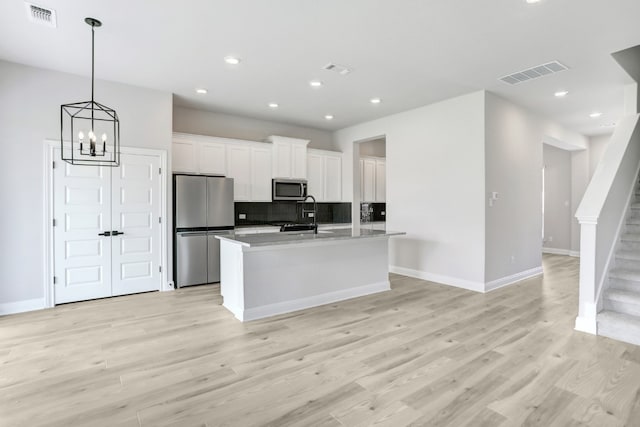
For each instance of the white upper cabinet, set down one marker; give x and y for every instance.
(289, 157)
(369, 180)
(324, 175)
(212, 158)
(381, 180)
(184, 154)
(261, 174)
(373, 179)
(239, 168)
(315, 174)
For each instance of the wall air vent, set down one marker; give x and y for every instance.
(41, 15)
(340, 69)
(534, 73)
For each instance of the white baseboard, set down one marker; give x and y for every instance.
(575, 254)
(22, 306)
(509, 280)
(556, 251)
(445, 280)
(587, 324)
(255, 313)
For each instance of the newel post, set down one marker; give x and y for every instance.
(588, 308)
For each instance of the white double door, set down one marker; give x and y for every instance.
(107, 236)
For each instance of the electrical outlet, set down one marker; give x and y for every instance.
(513, 259)
(310, 214)
(242, 216)
(550, 238)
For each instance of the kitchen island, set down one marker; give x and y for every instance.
(267, 274)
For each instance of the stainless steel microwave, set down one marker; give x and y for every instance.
(289, 189)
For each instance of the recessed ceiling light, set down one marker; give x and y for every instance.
(232, 60)
(315, 83)
(328, 117)
(561, 93)
(201, 91)
(595, 114)
(273, 105)
(533, 1)
(375, 100)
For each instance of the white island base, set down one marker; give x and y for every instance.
(260, 278)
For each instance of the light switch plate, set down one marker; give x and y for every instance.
(242, 216)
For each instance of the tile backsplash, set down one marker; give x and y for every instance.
(259, 213)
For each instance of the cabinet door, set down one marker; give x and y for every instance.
(315, 170)
(183, 156)
(299, 161)
(381, 181)
(282, 152)
(239, 168)
(212, 158)
(261, 174)
(361, 180)
(333, 179)
(369, 172)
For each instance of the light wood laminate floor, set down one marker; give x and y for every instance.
(422, 354)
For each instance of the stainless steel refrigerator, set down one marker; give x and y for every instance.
(203, 208)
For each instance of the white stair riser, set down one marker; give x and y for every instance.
(619, 331)
(632, 228)
(628, 264)
(622, 307)
(624, 284)
(630, 246)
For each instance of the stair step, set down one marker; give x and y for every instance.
(630, 237)
(633, 220)
(622, 301)
(629, 246)
(624, 284)
(619, 326)
(632, 228)
(628, 254)
(625, 273)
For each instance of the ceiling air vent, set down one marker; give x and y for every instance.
(41, 15)
(340, 69)
(534, 72)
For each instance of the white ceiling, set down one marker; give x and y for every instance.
(408, 52)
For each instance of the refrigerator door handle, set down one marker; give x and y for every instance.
(106, 234)
(192, 233)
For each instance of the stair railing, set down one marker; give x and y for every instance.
(601, 215)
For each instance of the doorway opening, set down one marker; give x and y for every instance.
(369, 208)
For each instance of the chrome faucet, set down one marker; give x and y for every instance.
(315, 212)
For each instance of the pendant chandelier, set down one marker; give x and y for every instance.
(92, 129)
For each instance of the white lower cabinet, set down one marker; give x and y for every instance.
(324, 172)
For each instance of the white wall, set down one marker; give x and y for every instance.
(557, 198)
(30, 100)
(513, 163)
(597, 145)
(579, 180)
(435, 187)
(202, 122)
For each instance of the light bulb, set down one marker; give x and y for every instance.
(92, 136)
(104, 137)
(80, 136)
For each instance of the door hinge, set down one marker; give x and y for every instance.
(53, 165)
(159, 171)
(160, 268)
(159, 220)
(54, 222)
(55, 280)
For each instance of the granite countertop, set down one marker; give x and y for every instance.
(299, 237)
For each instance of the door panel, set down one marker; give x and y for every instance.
(219, 202)
(136, 213)
(191, 192)
(82, 210)
(192, 253)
